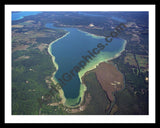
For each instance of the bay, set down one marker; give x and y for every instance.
(21, 14)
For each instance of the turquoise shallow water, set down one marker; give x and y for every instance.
(69, 50)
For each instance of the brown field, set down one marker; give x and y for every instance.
(110, 79)
(22, 57)
(30, 21)
(20, 47)
(17, 26)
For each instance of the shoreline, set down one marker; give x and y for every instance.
(53, 79)
(118, 54)
(105, 60)
(91, 34)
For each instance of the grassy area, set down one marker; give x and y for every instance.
(129, 58)
(143, 62)
(28, 81)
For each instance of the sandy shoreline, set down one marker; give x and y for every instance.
(83, 71)
(118, 54)
(91, 34)
(56, 65)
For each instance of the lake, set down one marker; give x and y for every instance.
(68, 52)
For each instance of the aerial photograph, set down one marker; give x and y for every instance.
(80, 63)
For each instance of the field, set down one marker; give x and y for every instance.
(110, 79)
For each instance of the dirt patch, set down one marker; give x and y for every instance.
(42, 46)
(17, 26)
(22, 57)
(110, 79)
(20, 47)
